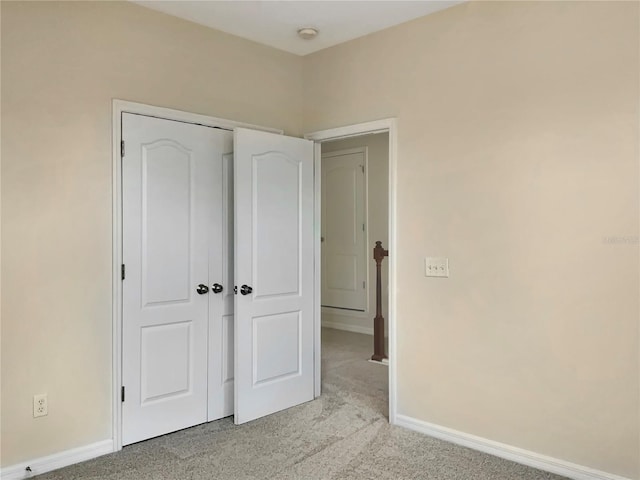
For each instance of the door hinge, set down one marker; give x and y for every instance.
(122, 393)
(122, 272)
(362, 167)
(364, 284)
(122, 148)
(363, 227)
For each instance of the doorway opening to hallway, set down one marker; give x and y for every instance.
(354, 217)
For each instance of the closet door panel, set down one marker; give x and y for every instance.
(221, 317)
(171, 184)
(274, 336)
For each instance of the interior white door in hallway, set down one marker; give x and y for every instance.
(172, 192)
(274, 262)
(344, 269)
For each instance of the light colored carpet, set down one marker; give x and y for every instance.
(342, 435)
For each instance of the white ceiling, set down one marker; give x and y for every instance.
(275, 23)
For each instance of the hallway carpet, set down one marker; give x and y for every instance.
(342, 435)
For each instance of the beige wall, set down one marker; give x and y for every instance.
(378, 224)
(62, 64)
(518, 155)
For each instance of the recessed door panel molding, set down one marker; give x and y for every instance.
(170, 348)
(342, 273)
(172, 228)
(344, 230)
(276, 224)
(227, 349)
(276, 347)
(341, 180)
(274, 328)
(167, 198)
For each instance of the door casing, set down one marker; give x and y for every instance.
(378, 126)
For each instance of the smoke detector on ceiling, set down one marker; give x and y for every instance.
(307, 33)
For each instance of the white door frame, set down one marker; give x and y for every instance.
(377, 126)
(118, 108)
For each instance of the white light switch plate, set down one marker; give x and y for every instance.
(436, 267)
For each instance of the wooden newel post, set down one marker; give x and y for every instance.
(378, 322)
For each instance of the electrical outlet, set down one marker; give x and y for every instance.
(436, 267)
(40, 405)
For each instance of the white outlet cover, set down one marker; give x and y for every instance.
(40, 405)
(436, 267)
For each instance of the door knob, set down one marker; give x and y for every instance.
(216, 288)
(202, 289)
(245, 289)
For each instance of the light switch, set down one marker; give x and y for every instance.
(436, 267)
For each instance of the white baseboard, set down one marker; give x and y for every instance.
(384, 361)
(348, 328)
(57, 460)
(508, 452)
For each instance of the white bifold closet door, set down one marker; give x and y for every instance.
(274, 227)
(187, 358)
(173, 253)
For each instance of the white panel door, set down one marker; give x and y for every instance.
(274, 315)
(222, 297)
(172, 192)
(344, 270)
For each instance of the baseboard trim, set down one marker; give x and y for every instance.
(348, 328)
(508, 452)
(57, 460)
(384, 361)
